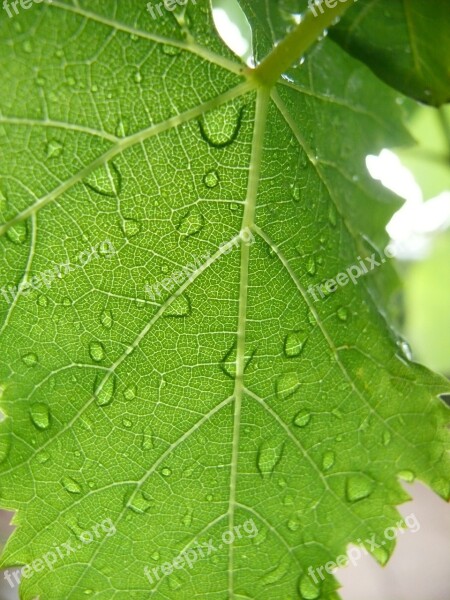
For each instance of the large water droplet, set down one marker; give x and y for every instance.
(104, 389)
(286, 385)
(71, 486)
(308, 589)
(191, 223)
(18, 234)
(97, 351)
(180, 307)
(294, 343)
(211, 179)
(139, 502)
(40, 415)
(269, 455)
(106, 180)
(358, 487)
(220, 127)
(228, 362)
(31, 359)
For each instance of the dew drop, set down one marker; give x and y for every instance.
(169, 50)
(40, 415)
(67, 302)
(106, 181)
(18, 234)
(293, 524)
(155, 556)
(54, 149)
(106, 318)
(308, 589)
(127, 423)
(342, 313)
(43, 457)
(97, 351)
(358, 487)
(166, 472)
(276, 574)
(187, 519)
(407, 475)
(130, 227)
(209, 498)
(147, 438)
(328, 460)
(269, 455)
(220, 127)
(406, 349)
(180, 307)
(211, 179)
(30, 360)
(228, 362)
(191, 223)
(138, 77)
(296, 193)
(294, 343)
(130, 393)
(139, 502)
(302, 418)
(286, 385)
(311, 266)
(120, 131)
(71, 486)
(104, 390)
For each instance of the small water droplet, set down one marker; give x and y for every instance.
(269, 455)
(276, 574)
(209, 498)
(18, 234)
(187, 519)
(106, 181)
(54, 149)
(129, 393)
(386, 438)
(131, 227)
(191, 223)
(311, 266)
(166, 472)
(342, 313)
(155, 556)
(180, 307)
(104, 389)
(302, 418)
(294, 343)
(43, 457)
(211, 179)
(106, 318)
(328, 460)
(286, 385)
(308, 589)
(332, 216)
(139, 502)
(169, 50)
(147, 438)
(220, 127)
(31, 359)
(137, 77)
(293, 524)
(358, 487)
(121, 130)
(407, 475)
(296, 192)
(127, 423)
(42, 301)
(40, 415)
(97, 351)
(71, 486)
(67, 302)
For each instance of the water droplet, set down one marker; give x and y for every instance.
(328, 460)
(42, 301)
(294, 343)
(127, 423)
(220, 127)
(296, 192)
(104, 389)
(106, 318)
(121, 130)
(228, 362)
(308, 589)
(147, 438)
(40, 415)
(31, 359)
(358, 487)
(269, 455)
(191, 223)
(180, 307)
(342, 313)
(406, 349)
(18, 234)
(130, 227)
(138, 77)
(169, 50)
(386, 438)
(54, 149)
(166, 472)
(187, 519)
(67, 302)
(130, 393)
(211, 179)
(139, 502)
(209, 498)
(407, 475)
(332, 216)
(311, 266)
(155, 555)
(27, 47)
(286, 385)
(293, 524)
(97, 351)
(71, 486)
(43, 457)
(302, 418)
(106, 181)
(277, 573)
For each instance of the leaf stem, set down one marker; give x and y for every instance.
(318, 18)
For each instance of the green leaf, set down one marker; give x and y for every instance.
(405, 42)
(172, 380)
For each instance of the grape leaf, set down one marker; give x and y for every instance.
(164, 366)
